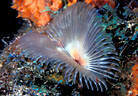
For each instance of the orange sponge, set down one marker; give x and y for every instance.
(100, 3)
(34, 9)
(71, 2)
(134, 90)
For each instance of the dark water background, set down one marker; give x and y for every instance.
(13, 24)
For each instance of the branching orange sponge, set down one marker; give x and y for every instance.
(134, 89)
(71, 2)
(100, 3)
(55, 4)
(34, 9)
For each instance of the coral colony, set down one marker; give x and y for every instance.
(72, 48)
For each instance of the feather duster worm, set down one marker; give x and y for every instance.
(77, 44)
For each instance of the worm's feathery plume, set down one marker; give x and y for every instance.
(77, 44)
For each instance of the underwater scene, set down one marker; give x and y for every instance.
(70, 48)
